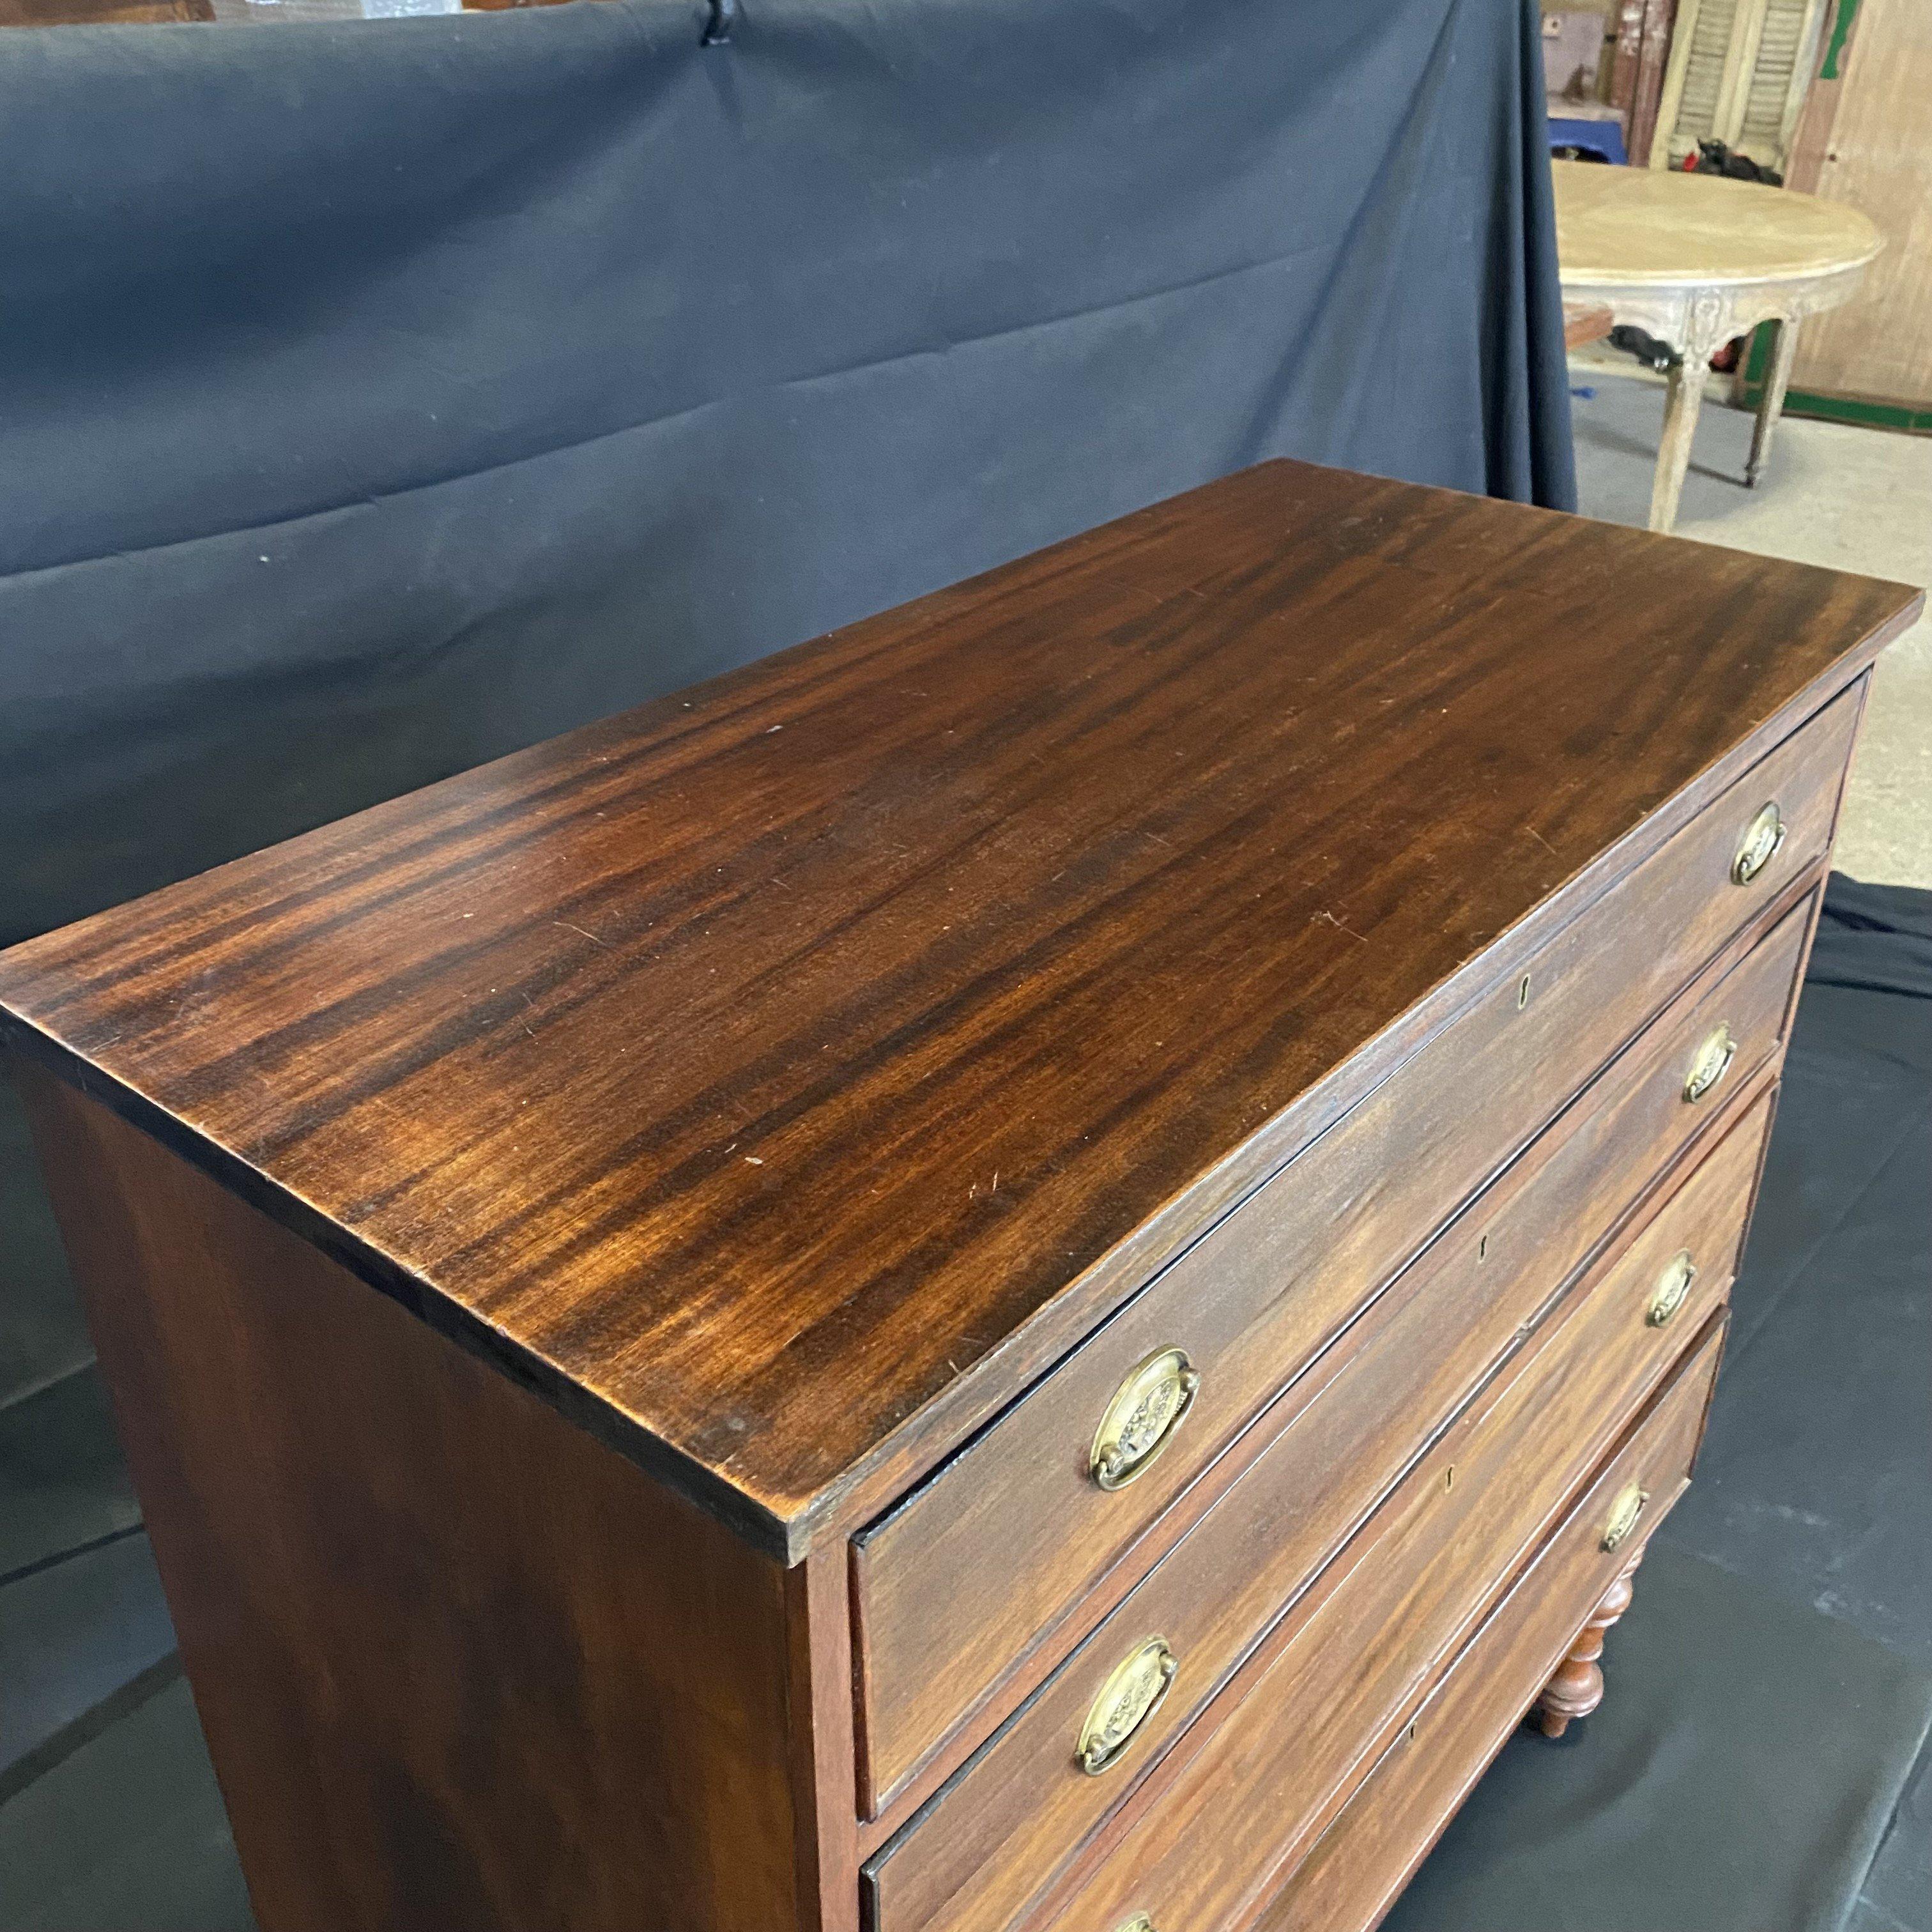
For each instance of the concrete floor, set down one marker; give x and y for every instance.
(1853, 498)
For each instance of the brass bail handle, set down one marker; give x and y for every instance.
(1673, 1285)
(1132, 1693)
(1624, 1514)
(1759, 845)
(1711, 1063)
(1141, 1419)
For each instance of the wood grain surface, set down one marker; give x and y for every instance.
(1015, 1815)
(1348, 1883)
(1199, 1850)
(973, 1572)
(743, 1072)
(1545, 1216)
(461, 1668)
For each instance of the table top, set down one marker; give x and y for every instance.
(1655, 226)
(763, 1075)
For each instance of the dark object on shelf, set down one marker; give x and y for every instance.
(1714, 158)
(723, 18)
(1645, 346)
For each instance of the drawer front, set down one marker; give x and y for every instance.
(1253, 1798)
(1016, 1815)
(1253, 1301)
(1365, 1858)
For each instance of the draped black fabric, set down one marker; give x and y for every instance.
(376, 397)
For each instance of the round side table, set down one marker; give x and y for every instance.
(1695, 259)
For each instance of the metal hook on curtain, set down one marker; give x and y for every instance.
(723, 18)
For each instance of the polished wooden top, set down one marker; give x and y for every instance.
(1622, 226)
(743, 1072)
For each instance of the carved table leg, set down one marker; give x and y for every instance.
(1577, 1688)
(1776, 382)
(1682, 399)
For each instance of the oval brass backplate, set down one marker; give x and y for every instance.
(1132, 1694)
(1140, 1420)
(1672, 1285)
(1711, 1063)
(1624, 1514)
(1140, 1922)
(1759, 846)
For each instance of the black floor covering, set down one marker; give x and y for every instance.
(1771, 1684)
(1677, 1807)
(1767, 1689)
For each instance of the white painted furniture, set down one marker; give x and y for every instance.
(1695, 259)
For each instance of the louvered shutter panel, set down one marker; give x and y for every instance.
(1739, 70)
(1711, 27)
(1776, 82)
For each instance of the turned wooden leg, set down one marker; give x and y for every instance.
(1577, 1688)
(1772, 401)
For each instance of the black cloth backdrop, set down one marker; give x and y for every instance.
(377, 398)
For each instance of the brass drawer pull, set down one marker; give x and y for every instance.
(1140, 1420)
(1624, 1514)
(1140, 1922)
(1673, 1285)
(1132, 1694)
(1759, 845)
(1715, 1052)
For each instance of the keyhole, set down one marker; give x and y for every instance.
(1522, 992)
(1483, 1248)
(1449, 1476)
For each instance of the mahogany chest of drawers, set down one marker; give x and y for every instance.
(1037, 1265)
